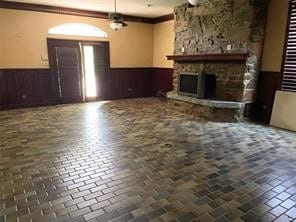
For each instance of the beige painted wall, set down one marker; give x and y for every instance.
(275, 35)
(23, 39)
(163, 44)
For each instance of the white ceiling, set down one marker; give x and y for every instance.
(128, 7)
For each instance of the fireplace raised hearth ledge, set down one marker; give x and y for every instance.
(207, 102)
(218, 57)
(213, 110)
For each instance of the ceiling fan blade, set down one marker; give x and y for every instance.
(124, 24)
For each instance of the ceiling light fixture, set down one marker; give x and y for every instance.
(116, 19)
(115, 25)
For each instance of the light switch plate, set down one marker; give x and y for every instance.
(229, 47)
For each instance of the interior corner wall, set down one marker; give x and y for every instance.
(163, 44)
(23, 39)
(275, 35)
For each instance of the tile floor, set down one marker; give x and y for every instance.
(138, 160)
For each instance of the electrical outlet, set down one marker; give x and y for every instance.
(45, 63)
(229, 47)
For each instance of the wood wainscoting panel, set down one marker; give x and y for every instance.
(139, 82)
(25, 88)
(162, 80)
(34, 87)
(268, 84)
(129, 83)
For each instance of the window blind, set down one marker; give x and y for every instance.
(289, 66)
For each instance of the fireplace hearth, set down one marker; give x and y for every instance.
(210, 109)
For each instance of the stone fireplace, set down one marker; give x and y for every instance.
(215, 34)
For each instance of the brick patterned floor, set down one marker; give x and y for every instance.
(138, 160)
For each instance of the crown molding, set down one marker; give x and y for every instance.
(79, 12)
(163, 18)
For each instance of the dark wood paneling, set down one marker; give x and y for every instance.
(130, 83)
(33, 87)
(139, 82)
(162, 80)
(268, 83)
(68, 11)
(25, 88)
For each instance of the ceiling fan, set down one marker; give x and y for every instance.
(116, 19)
